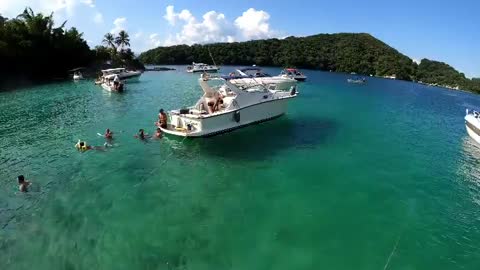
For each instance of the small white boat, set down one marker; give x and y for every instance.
(122, 73)
(226, 107)
(111, 85)
(77, 76)
(252, 76)
(293, 73)
(357, 81)
(472, 123)
(201, 67)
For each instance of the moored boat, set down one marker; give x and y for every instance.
(357, 81)
(227, 107)
(111, 83)
(77, 76)
(122, 73)
(472, 124)
(201, 67)
(251, 76)
(293, 73)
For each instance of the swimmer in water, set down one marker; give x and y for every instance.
(83, 147)
(158, 133)
(23, 184)
(108, 134)
(141, 135)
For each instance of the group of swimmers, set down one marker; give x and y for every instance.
(82, 146)
(161, 123)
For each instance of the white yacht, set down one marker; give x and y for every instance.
(111, 85)
(122, 73)
(226, 107)
(293, 73)
(201, 67)
(472, 123)
(248, 77)
(77, 76)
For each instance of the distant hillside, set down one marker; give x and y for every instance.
(433, 72)
(344, 52)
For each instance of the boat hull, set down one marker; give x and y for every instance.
(202, 70)
(228, 121)
(473, 127)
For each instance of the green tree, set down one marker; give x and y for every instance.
(122, 40)
(109, 40)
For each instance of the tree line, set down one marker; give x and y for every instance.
(345, 52)
(32, 48)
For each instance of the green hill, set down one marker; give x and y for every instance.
(344, 52)
(359, 53)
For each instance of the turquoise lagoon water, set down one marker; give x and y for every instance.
(381, 176)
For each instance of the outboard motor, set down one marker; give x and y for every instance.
(293, 90)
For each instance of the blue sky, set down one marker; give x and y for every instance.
(439, 30)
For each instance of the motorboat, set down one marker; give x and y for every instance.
(77, 76)
(357, 81)
(224, 107)
(201, 67)
(111, 85)
(122, 73)
(293, 73)
(251, 76)
(472, 123)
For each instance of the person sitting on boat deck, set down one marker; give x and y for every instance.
(158, 133)
(108, 134)
(141, 134)
(22, 183)
(162, 119)
(218, 104)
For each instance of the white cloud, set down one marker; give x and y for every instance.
(138, 35)
(120, 24)
(253, 24)
(214, 27)
(90, 3)
(62, 9)
(416, 61)
(98, 18)
(154, 41)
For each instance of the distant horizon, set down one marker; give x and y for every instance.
(417, 29)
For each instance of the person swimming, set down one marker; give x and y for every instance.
(82, 146)
(141, 135)
(158, 133)
(23, 184)
(108, 134)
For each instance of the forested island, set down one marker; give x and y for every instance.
(32, 49)
(345, 52)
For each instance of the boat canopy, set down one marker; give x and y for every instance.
(113, 70)
(76, 69)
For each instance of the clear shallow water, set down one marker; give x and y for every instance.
(348, 172)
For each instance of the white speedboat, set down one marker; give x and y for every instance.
(293, 73)
(110, 85)
(122, 73)
(77, 76)
(226, 107)
(201, 67)
(252, 76)
(357, 81)
(472, 123)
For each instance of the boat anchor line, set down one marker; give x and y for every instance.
(157, 168)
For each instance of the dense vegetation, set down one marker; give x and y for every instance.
(33, 49)
(433, 72)
(360, 53)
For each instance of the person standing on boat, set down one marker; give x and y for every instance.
(162, 119)
(116, 82)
